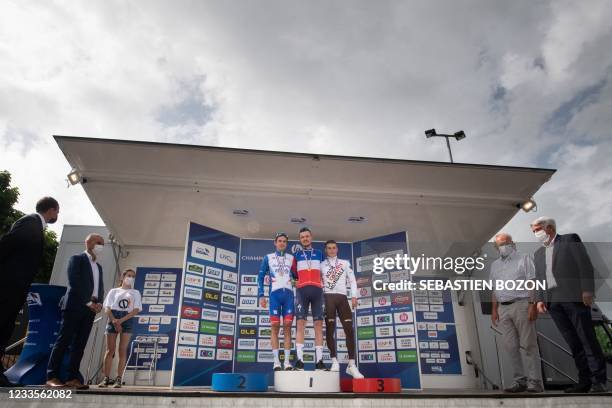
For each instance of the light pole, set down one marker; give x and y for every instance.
(457, 135)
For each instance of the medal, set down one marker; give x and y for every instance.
(281, 265)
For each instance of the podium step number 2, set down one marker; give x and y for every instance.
(239, 382)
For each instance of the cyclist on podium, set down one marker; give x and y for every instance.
(307, 270)
(278, 266)
(337, 277)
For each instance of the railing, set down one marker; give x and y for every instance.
(547, 363)
(479, 372)
(9, 360)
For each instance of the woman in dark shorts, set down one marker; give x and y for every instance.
(120, 305)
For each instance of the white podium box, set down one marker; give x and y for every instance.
(306, 381)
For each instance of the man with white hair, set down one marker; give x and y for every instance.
(564, 264)
(514, 311)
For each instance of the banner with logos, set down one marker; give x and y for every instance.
(253, 344)
(386, 330)
(160, 290)
(44, 322)
(206, 330)
(438, 345)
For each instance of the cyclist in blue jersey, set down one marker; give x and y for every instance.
(278, 266)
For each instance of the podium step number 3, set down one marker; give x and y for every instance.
(239, 382)
(376, 385)
(307, 381)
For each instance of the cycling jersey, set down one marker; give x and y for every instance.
(307, 267)
(337, 276)
(278, 266)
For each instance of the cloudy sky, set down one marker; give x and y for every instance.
(528, 81)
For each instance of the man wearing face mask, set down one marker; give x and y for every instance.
(514, 312)
(564, 264)
(21, 253)
(82, 302)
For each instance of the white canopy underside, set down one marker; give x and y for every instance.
(146, 193)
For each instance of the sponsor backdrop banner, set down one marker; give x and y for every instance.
(438, 346)
(386, 333)
(44, 322)
(253, 347)
(207, 315)
(160, 289)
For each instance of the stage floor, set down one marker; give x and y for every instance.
(158, 397)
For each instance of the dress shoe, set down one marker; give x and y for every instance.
(4, 382)
(516, 387)
(535, 388)
(76, 384)
(580, 388)
(598, 388)
(55, 383)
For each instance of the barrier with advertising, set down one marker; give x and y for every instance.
(43, 325)
(160, 291)
(207, 315)
(386, 335)
(438, 346)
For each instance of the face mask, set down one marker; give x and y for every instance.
(541, 236)
(505, 250)
(98, 249)
(129, 281)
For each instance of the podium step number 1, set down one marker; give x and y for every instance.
(307, 381)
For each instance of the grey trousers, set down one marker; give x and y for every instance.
(518, 331)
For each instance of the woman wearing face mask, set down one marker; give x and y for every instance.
(120, 305)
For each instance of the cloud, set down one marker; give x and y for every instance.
(528, 82)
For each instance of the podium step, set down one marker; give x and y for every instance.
(239, 382)
(377, 385)
(307, 381)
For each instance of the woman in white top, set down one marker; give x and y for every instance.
(120, 305)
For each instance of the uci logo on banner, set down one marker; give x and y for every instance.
(225, 257)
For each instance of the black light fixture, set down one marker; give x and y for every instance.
(74, 177)
(457, 136)
(528, 205)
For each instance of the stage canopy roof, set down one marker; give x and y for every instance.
(146, 193)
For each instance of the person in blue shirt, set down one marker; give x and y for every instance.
(277, 267)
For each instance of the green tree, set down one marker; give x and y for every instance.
(8, 215)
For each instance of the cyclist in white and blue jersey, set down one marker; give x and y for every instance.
(278, 266)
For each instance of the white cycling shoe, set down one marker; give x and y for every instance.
(335, 366)
(353, 371)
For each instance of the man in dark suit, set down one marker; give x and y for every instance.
(21, 252)
(564, 264)
(82, 302)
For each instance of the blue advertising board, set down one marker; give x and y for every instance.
(206, 330)
(160, 290)
(438, 345)
(45, 317)
(386, 334)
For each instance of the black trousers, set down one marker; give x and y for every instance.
(74, 332)
(574, 322)
(10, 305)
